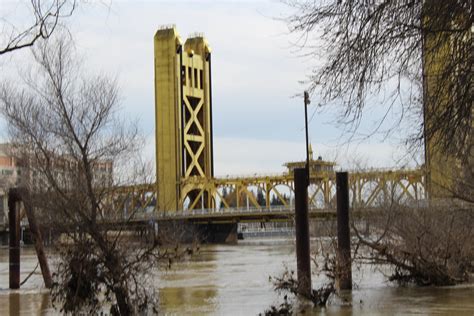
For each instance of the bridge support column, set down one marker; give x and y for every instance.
(186, 232)
(303, 262)
(218, 233)
(344, 267)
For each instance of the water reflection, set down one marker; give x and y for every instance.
(233, 280)
(25, 303)
(13, 301)
(189, 287)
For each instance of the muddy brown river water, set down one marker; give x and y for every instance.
(234, 280)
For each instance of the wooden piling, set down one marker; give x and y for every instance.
(15, 196)
(344, 268)
(14, 234)
(303, 262)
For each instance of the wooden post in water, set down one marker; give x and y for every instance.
(344, 267)
(14, 236)
(15, 196)
(38, 239)
(303, 262)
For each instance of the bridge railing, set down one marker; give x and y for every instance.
(211, 211)
(196, 213)
(252, 176)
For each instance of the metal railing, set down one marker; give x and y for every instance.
(197, 213)
(143, 214)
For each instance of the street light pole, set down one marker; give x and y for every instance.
(306, 103)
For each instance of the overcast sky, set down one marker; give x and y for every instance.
(258, 121)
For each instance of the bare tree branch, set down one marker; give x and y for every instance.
(374, 48)
(46, 16)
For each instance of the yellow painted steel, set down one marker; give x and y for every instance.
(197, 118)
(183, 117)
(184, 162)
(167, 118)
(444, 170)
(440, 166)
(368, 189)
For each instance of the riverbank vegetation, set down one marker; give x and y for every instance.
(423, 245)
(324, 270)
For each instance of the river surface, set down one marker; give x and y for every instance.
(234, 280)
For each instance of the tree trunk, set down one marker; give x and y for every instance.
(124, 305)
(38, 240)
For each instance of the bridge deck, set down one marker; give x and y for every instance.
(231, 216)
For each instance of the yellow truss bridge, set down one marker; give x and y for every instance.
(184, 150)
(368, 189)
(186, 186)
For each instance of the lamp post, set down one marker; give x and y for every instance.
(306, 103)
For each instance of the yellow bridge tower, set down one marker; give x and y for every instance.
(183, 110)
(445, 52)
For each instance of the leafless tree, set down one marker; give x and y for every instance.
(67, 134)
(417, 53)
(45, 16)
(422, 244)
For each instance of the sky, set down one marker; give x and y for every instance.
(257, 75)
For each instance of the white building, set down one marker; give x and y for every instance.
(14, 174)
